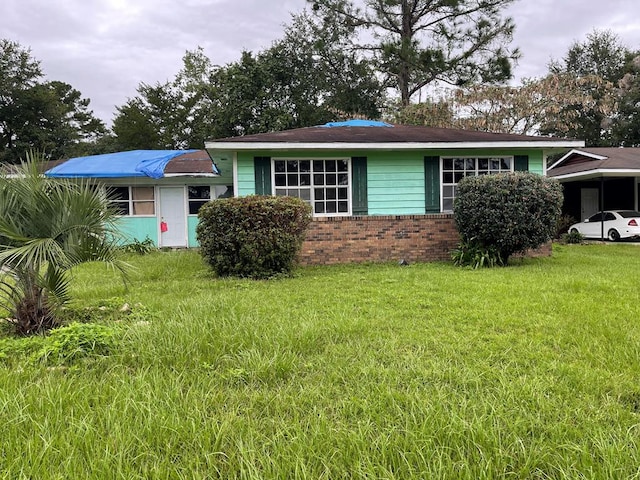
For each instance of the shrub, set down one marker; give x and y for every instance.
(562, 227)
(573, 237)
(141, 247)
(254, 236)
(508, 213)
(66, 345)
(470, 253)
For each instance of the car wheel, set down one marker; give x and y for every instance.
(613, 235)
(573, 230)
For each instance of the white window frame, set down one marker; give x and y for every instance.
(312, 186)
(130, 202)
(476, 171)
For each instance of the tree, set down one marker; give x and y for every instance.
(47, 116)
(48, 227)
(305, 78)
(418, 42)
(507, 213)
(598, 63)
(534, 106)
(626, 129)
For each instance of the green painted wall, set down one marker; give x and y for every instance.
(138, 228)
(395, 179)
(192, 223)
(396, 183)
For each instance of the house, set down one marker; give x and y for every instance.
(598, 178)
(158, 192)
(379, 192)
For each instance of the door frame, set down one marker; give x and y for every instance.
(161, 216)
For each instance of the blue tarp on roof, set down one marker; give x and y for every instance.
(136, 163)
(357, 123)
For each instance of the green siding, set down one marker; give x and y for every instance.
(396, 181)
(192, 223)
(432, 184)
(359, 189)
(245, 175)
(138, 228)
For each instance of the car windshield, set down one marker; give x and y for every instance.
(629, 214)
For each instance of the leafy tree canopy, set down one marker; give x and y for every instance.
(415, 43)
(305, 78)
(49, 116)
(599, 64)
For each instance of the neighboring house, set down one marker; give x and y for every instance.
(158, 192)
(598, 178)
(379, 192)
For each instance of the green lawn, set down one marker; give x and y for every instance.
(374, 371)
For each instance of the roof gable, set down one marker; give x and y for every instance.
(597, 160)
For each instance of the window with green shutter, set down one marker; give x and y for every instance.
(432, 184)
(262, 169)
(360, 204)
(521, 163)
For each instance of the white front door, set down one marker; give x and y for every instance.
(589, 202)
(173, 217)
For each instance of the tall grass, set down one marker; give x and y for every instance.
(369, 371)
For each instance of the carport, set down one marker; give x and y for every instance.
(597, 179)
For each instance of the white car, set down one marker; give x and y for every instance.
(617, 224)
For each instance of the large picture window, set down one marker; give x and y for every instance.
(323, 183)
(455, 169)
(133, 200)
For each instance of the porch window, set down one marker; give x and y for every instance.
(323, 183)
(455, 169)
(133, 200)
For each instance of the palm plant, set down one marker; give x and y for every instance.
(48, 227)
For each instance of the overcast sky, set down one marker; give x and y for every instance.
(105, 48)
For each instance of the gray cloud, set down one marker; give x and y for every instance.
(105, 48)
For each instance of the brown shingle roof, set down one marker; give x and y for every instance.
(587, 160)
(392, 134)
(190, 164)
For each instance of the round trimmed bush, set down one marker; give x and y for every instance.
(508, 213)
(255, 236)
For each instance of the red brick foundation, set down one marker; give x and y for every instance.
(414, 238)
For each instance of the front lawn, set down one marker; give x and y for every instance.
(425, 371)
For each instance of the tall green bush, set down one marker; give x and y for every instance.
(510, 212)
(254, 236)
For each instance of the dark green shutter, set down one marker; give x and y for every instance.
(432, 184)
(262, 168)
(359, 201)
(521, 163)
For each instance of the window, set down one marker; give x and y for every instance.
(198, 196)
(323, 183)
(456, 168)
(133, 200)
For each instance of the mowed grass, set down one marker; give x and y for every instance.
(426, 371)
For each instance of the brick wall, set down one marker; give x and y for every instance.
(415, 238)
